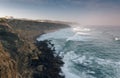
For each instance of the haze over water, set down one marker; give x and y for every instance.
(84, 12)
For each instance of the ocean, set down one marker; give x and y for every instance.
(88, 51)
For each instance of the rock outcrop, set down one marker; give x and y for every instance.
(19, 49)
(21, 57)
(48, 62)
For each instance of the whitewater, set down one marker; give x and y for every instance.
(88, 52)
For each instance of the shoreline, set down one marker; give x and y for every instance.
(35, 38)
(51, 64)
(31, 29)
(45, 43)
(32, 60)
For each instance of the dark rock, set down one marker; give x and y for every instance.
(47, 66)
(31, 60)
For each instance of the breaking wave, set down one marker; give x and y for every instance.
(87, 52)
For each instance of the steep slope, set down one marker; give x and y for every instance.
(19, 49)
(22, 57)
(8, 67)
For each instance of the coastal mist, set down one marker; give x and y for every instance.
(88, 51)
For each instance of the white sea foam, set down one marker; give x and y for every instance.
(85, 59)
(77, 37)
(117, 38)
(75, 34)
(66, 68)
(61, 34)
(81, 34)
(80, 29)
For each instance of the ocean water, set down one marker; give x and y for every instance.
(88, 52)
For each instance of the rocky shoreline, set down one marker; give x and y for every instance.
(49, 62)
(27, 58)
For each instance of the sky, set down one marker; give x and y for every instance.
(85, 12)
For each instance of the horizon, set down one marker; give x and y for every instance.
(84, 12)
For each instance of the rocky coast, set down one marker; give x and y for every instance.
(21, 56)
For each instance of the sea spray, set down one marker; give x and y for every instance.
(88, 53)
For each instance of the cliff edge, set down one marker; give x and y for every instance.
(21, 56)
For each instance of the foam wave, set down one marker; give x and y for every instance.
(80, 29)
(67, 34)
(83, 34)
(79, 36)
(88, 60)
(67, 66)
(61, 34)
(117, 39)
(85, 64)
(89, 64)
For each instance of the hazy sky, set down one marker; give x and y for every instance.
(88, 12)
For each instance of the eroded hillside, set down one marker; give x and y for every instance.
(21, 57)
(31, 29)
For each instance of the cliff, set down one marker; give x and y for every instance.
(30, 29)
(21, 56)
(8, 67)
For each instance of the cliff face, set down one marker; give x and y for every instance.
(19, 49)
(21, 58)
(8, 67)
(49, 59)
